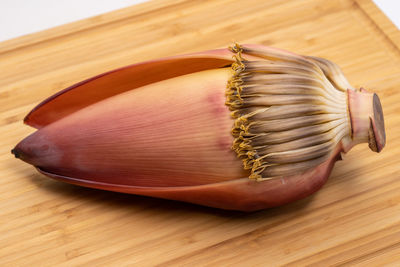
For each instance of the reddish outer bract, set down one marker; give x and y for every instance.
(236, 194)
(117, 81)
(240, 194)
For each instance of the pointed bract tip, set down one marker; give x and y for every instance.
(16, 153)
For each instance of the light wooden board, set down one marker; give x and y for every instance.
(353, 220)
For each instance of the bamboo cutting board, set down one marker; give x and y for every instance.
(353, 221)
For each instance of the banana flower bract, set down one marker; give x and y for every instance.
(244, 128)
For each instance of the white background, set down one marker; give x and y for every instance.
(392, 10)
(20, 17)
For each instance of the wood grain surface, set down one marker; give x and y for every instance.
(354, 220)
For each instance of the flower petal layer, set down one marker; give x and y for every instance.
(176, 132)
